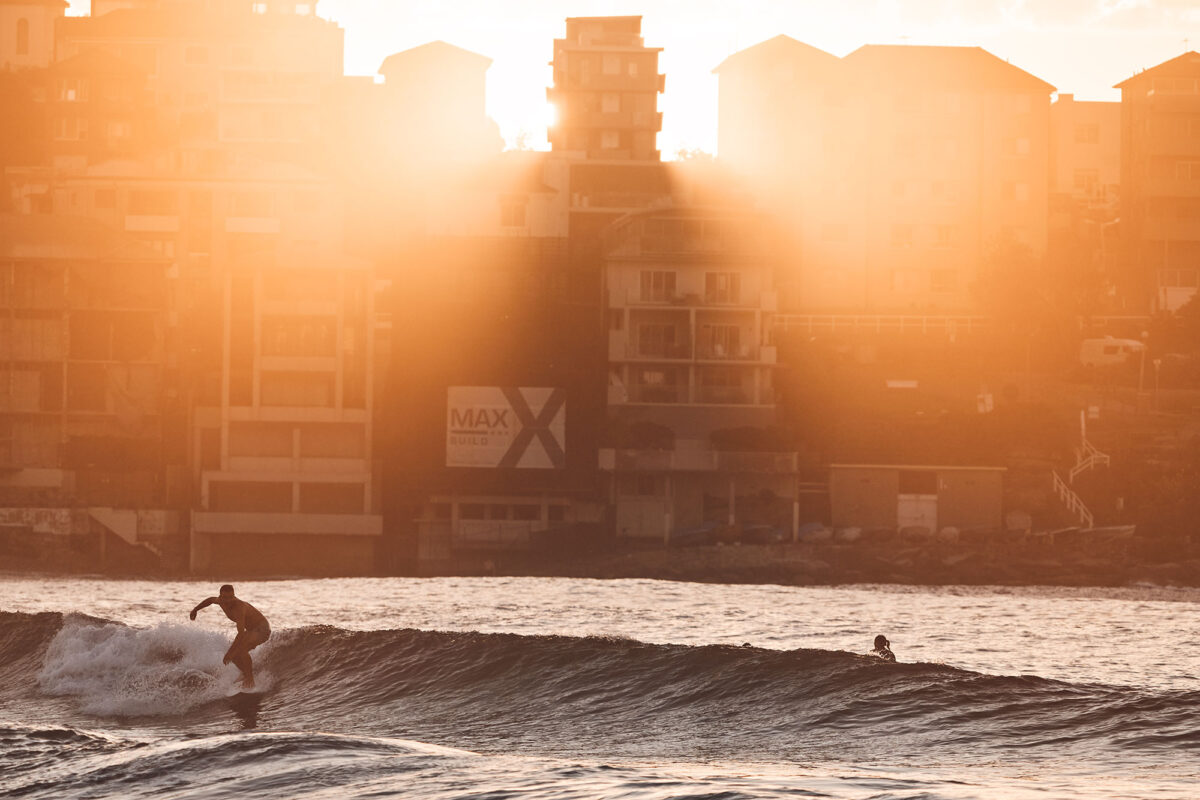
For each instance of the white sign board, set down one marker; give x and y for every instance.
(506, 427)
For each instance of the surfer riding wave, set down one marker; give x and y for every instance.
(252, 630)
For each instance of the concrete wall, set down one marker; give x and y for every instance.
(283, 554)
(868, 496)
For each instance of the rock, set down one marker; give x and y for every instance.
(916, 532)
(816, 535)
(948, 535)
(848, 535)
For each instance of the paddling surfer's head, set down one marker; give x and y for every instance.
(880, 641)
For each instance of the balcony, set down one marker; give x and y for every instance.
(724, 396)
(658, 393)
(659, 351)
(716, 352)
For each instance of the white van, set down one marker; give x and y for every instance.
(1108, 351)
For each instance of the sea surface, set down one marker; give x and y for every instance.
(566, 688)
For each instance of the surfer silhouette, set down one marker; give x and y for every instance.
(252, 630)
(883, 648)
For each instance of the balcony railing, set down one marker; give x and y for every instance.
(676, 351)
(881, 323)
(640, 393)
(716, 352)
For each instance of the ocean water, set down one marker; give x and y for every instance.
(566, 688)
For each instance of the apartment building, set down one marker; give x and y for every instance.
(224, 76)
(910, 167)
(691, 369)
(84, 378)
(605, 93)
(1083, 245)
(1160, 181)
(1085, 151)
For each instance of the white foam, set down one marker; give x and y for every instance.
(117, 671)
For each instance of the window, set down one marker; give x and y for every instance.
(1187, 170)
(151, 202)
(898, 189)
(632, 68)
(512, 211)
(902, 235)
(295, 336)
(944, 236)
(610, 140)
(722, 287)
(657, 285)
(72, 90)
(720, 341)
(1086, 180)
(299, 389)
(331, 498)
(251, 204)
(610, 102)
(119, 130)
(1016, 192)
(260, 439)
(1087, 133)
(943, 280)
(658, 339)
(616, 319)
(22, 37)
(612, 64)
(195, 54)
(241, 56)
(1022, 104)
(70, 129)
(106, 198)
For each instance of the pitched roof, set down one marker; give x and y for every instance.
(968, 67)
(436, 52)
(776, 50)
(1186, 66)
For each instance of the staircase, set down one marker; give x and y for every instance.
(1073, 504)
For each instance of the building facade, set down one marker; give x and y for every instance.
(1160, 181)
(910, 169)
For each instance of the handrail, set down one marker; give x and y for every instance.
(1087, 457)
(1072, 501)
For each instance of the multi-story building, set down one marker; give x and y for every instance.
(1085, 151)
(691, 363)
(83, 365)
(911, 166)
(1085, 178)
(225, 76)
(1160, 181)
(605, 93)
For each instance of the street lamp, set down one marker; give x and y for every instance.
(1142, 370)
(1157, 364)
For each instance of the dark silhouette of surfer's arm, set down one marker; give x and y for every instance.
(203, 604)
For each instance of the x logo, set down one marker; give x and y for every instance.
(532, 426)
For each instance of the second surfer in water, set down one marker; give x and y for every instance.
(252, 630)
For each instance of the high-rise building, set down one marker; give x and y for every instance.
(605, 93)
